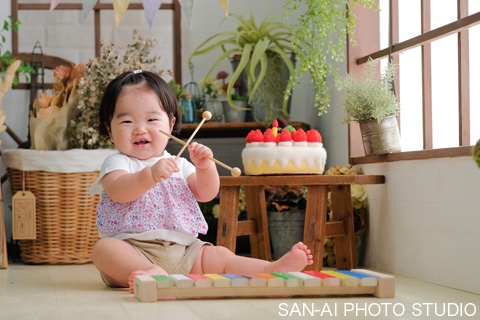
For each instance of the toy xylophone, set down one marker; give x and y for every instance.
(306, 283)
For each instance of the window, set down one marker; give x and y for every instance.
(98, 25)
(432, 44)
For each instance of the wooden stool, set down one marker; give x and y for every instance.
(3, 238)
(316, 229)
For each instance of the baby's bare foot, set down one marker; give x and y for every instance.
(294, 260)
(153, 272)
(131, 285)
(150, 272)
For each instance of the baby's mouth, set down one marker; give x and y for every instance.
(141, 142)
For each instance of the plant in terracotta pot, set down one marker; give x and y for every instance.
(258, 50)
(370, 101)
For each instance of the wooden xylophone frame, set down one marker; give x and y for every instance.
(145, 290)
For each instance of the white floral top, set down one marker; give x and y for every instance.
(167, 211)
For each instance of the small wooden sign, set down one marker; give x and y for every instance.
(23, 216)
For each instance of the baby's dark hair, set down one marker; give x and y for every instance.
(146, 79)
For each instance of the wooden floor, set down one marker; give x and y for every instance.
(77, 292)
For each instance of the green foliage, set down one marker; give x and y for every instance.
(253, 44)
(6, 58)
(237, 97)
(319, 38)
(176, 88)
(476, 153)
(369, 97)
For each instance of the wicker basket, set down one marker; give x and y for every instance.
(66, 228)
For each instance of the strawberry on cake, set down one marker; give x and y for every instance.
(283, 150)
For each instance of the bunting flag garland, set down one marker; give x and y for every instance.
(119, 8)
(54, 4)
(151, 7)
(224, 5)
(87, 6)
(187, 8)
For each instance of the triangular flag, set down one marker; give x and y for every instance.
(54, 4)
(224, 4)
(151, 8)
(187, 8)
(119, 7)
(87, 6)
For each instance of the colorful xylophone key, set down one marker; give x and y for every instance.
(340, 282)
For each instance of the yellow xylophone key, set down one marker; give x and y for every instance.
(308, 280)
(272, 281)
(163, 281)
(218, 280)
(200, 280)
(365, 280)
(182, 281)
(347, 281)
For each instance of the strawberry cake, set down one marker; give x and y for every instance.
(283, 151)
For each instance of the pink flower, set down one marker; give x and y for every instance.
(222, 75)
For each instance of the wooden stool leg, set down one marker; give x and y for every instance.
(228, 219)
(3, 238)
(342, 210)
(315, 221)
(257, 210)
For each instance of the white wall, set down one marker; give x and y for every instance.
(424, 222)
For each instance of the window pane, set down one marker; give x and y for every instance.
(474, 33)
(409, 19)
(384, 23)
(411, 118)
(442, 12)
(445, 92)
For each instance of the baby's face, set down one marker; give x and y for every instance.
(136, 122)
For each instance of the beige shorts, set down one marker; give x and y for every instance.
(174, 258)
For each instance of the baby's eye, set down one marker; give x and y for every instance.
(152, 120)
(126, 121)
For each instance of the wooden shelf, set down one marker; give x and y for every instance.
(228, 129)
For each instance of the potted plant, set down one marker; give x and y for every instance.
(257, 51)
(212, 89)
(286, 217)
(370, 101)
(237, 112)
(318, 39)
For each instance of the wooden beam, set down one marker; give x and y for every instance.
(439, 33)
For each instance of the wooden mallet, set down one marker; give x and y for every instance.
(236, 172)
(206, 115)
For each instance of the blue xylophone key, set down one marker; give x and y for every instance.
(236, 280)
(365, 280)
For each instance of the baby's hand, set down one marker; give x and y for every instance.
(199, 154)
(164, 168)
